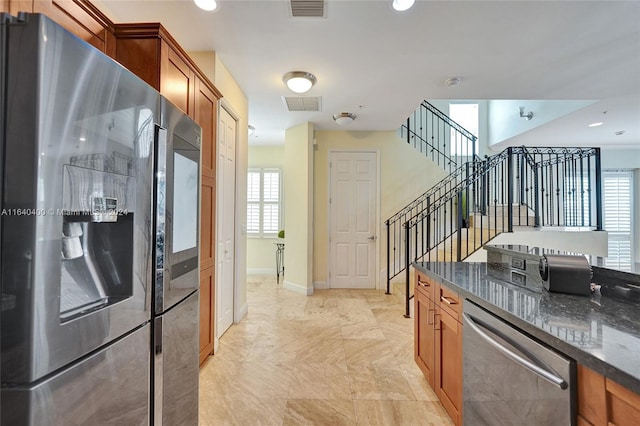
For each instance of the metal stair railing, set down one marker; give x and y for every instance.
(555, 185)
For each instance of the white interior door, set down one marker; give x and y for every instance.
(225, 221)
(353, 238)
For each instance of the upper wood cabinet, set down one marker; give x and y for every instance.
(78, 17)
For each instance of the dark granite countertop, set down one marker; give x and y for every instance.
(600, 332)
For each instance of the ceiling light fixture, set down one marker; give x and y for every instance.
(599, 123)
(453, 81)
(402, 5)
(251, 129)
(344, 118)
(299, 81)
(528, 115)
(208, 5)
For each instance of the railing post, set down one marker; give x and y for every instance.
(509, 189)
(407, 234)
(388, 257)
(598, 191)
(459, 239)
(409, 130)
(536, 200)
(428, 226)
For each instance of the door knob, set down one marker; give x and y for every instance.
(372, 238)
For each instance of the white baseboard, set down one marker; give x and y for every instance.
(297, 288)
(216, 345)
(320, 285)
(261, 271)
(240, 313)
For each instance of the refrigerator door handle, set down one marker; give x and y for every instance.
(525, 360)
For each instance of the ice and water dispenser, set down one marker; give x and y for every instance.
(97, 233)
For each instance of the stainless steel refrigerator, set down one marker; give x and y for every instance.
(83, 337)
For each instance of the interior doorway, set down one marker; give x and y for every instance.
(353, 206)
(225, 234)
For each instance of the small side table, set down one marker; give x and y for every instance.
(279, 260)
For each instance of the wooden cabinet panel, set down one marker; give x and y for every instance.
(177, 81)
(82, 19)
(449, 301)
(591, 396)
(603, 402)
(583, 422)
(623, 405)
(449, 363)
(207, 299)
(137, 55)
(424, 336)
(425, 284)
(206, 115)
(207, 223)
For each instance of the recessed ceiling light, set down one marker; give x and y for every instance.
(208, 5)
(402, 5)
(299, 81)
(619, 133)
(251, 129)
(599, 123)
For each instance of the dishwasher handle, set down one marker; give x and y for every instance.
(529, 364)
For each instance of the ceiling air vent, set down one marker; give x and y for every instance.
(300, 103)
(307, 8)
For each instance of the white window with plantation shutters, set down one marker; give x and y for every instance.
(617, 211)
(264, 199)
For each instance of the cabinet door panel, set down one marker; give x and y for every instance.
(176, 80)
(424, 348)
(207, 222)
(449, 364)
(206, 106)
(207, 295)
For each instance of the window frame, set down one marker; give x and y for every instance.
(261, 203)
(617, 235)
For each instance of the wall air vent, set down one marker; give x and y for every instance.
(302, 103)
(307, 8)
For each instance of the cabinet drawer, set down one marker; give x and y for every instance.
(449, 301)
(426, 285)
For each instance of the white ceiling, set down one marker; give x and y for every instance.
(380, 64)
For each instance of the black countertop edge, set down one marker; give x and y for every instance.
(607, 369)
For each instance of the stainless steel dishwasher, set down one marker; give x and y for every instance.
(511, 379)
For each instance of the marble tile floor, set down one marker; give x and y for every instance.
(339, 357)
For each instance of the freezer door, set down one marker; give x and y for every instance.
(110, 387)
(176, 364)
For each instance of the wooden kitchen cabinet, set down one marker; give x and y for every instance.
(424, 335)
(78, 17)
(438, 341)
(603, 402)
(148, 50)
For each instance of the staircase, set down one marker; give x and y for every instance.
(481, 198)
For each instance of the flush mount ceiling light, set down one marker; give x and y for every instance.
(453, 81)
(402, 5)
(208, 5)
(599, 123)
(299, 81)
(344, 118)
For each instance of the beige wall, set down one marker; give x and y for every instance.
(261, 257)
(236, 103)
(298, 208)
(404, 174)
